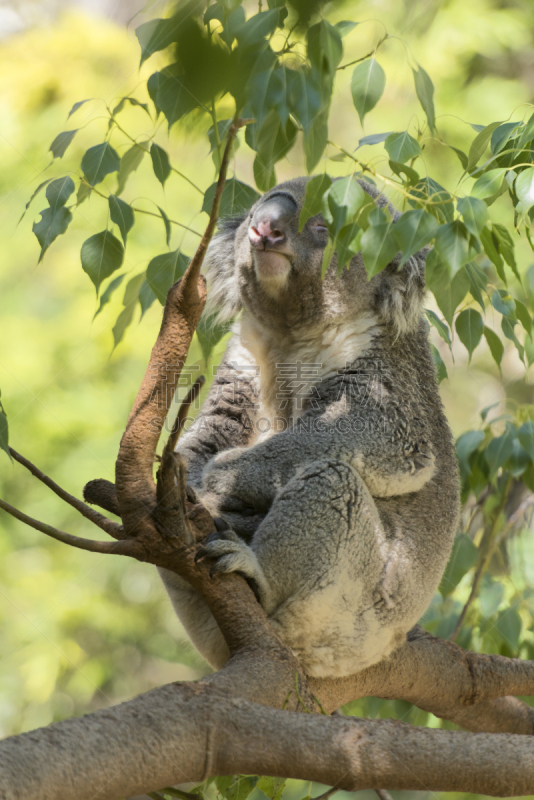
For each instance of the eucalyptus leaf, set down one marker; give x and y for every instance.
(367, 87)
(121, 214)
(61, 142)
(100, 161)
(315, 189)
(163, 271)
(101, 255)
(402, 147)
(424, 89)
(160, 163)
(51, 225)
(469, 327)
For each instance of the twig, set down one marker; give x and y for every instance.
(366, 56)
(61, 536)
(326, 795)
(113, 528)
(383, 795)
(183, 411)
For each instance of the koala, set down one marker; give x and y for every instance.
(322, 447)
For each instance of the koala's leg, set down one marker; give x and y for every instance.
(341, 590)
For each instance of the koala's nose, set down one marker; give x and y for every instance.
(262, 233)
(270, 226)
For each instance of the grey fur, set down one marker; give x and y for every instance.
(343, 521)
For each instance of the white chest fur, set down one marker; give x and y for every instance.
(290, 366)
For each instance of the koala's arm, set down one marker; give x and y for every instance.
(388, 444)
(226, 419)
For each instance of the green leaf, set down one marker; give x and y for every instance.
(210, 333)
(223, 126)
(129, 163)
(157, 34)
(524, 188)
(236, 198)
(34, 195)
(466, 445)
(518, 461)
(146, 297)
(469, 327)
(449, 294)
(167, 223)
(488, 184)
(108, 292)
(345, 27)
(474, 213)
(495, 345)
(313, 200)
(4, 431)
(439, 325)
(256, 28)
(78, 105)
(61, 142)
(490, 596)
(490, 244)
(461, 156)
(506, 245)
(340, 204)
(102, 255)
(464, 556)
(412, 231)
(58, 192)
(379, 247)
(121, 214)
(99, 161)
(523, 315)
(441, 369)
(271, 787)
(480, 144)
(452, 244)
(424, 88)
(499, 449)
(504, 303)
(373, 138)
(402, 147)
(123, 321)
(526, 437)
(508, 626)
(163, 271)
(133, 287)
(132, 101)
(160, 163)
(84, 191)
(367, 86)
(501, 136)
(479, 282)
(431, 196)
(527, 134)
(51, 225)
(236, 787)
(324, 47)
(347, 244)
(411, 177)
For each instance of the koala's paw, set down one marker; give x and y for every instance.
(231, 554)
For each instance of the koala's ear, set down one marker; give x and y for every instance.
(219, 266)
(400, 293)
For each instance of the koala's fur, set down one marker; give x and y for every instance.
(343, 522)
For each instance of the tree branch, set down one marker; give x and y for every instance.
(181, 732)
(66, 538)
(113, 528)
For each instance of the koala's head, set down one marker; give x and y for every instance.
(261, 262)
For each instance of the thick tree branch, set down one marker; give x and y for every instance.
(188, 732)
(113, 528)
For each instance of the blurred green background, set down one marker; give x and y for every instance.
(78, 630)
